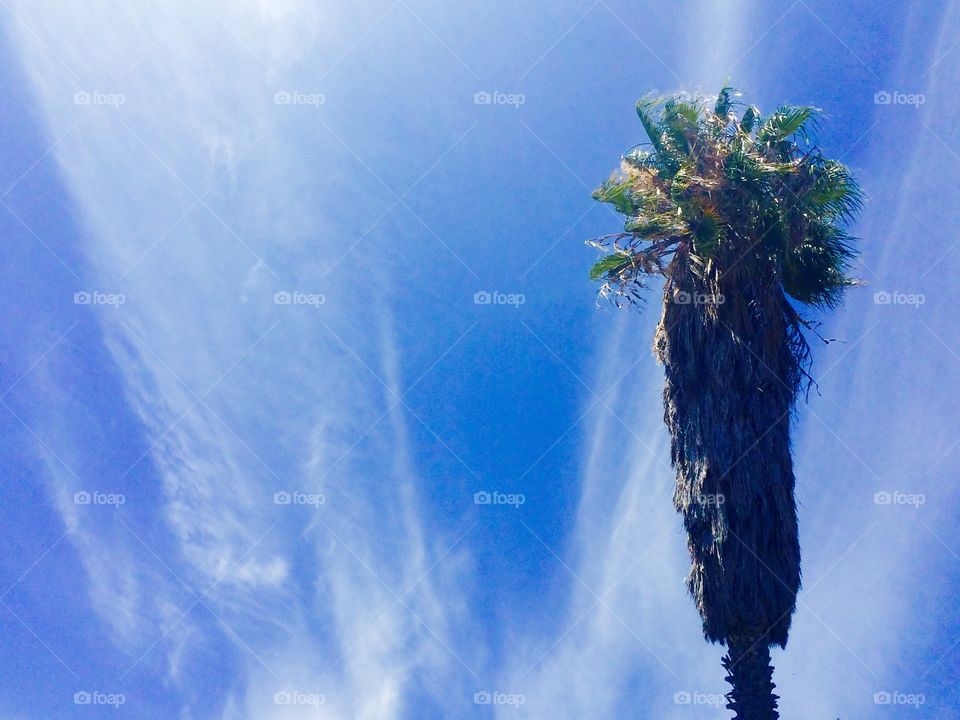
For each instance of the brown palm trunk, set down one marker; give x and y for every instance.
(750, 674)
(731, 380)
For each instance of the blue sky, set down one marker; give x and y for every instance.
(171, 175)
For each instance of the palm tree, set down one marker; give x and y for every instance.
(745, 219)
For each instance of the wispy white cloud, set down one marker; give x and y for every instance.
(184, 189)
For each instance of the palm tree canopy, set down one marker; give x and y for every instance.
(725, 183)
(744, 216)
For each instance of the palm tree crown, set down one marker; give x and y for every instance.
(712, 185)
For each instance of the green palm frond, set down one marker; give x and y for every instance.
(787, 121)
(616, 192)
(725, 102)
(751, 117)
(609, 266)
(645, 106)
(814, 273)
